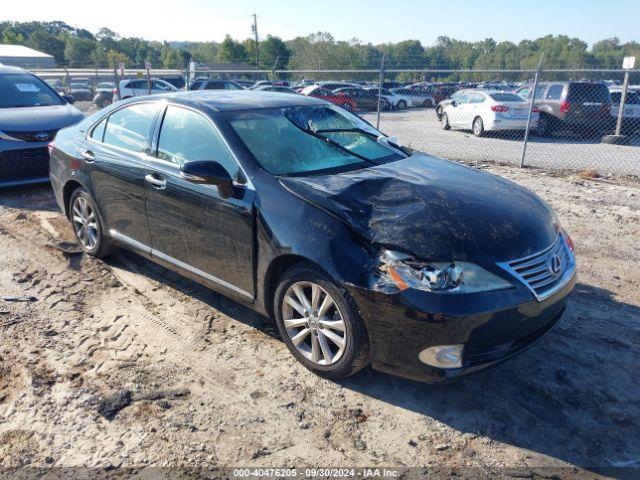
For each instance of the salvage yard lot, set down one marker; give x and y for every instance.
(123, 363)
(421, 129)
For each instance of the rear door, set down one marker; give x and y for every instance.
(115, 153)
(192, 227)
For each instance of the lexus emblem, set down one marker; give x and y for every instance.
(555, 265)
(42, 136)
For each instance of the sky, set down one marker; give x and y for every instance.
(370, 21)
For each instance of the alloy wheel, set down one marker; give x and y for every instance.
(314, 323)
(85, 223)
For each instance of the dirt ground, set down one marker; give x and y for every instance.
(121, 363)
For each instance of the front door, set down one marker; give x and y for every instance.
(192, 226)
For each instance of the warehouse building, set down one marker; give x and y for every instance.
(21, 56)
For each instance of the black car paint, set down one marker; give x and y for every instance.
(428, 207)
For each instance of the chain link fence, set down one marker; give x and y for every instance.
(567, 121)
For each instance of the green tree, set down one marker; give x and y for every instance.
(232, 51)
(78, 52)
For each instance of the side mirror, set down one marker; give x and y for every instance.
(454, 103)
(69, 99)
(209, 173)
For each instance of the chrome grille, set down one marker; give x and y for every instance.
(546, 271)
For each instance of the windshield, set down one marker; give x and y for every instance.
(24, 90)
(297, 140)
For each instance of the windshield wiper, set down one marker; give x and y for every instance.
(332, 143)
(364, 132)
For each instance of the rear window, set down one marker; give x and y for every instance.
(507, 97)
(589, 92)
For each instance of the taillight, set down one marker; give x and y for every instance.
(535, 110)
(50, 147)
(565, 107)
(499, 108)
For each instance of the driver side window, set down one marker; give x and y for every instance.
(189, 136)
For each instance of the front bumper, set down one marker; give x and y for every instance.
(492, 326)
(23, 163)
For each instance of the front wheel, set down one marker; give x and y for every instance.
(320, 324)
(401, 105)
(478, 127)
(444, 122)
(439, 112)
(87, 224)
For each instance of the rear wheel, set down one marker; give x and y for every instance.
(87, 225)
(401, 105)
(478, 127)
(427, 104)
(320, 324)
(545, 126)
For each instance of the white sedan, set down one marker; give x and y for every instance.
(396, 100)
(485, 110)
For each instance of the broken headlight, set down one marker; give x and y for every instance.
(398, 271)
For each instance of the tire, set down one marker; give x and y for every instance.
(444, 121)
(545, 126)
(478, 127)
(349, 107)
(401, 105)
(439, 112)
(336, 362)
(87, 224)
(427, 104)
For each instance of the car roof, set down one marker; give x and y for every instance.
(233, 100)
(8, 69)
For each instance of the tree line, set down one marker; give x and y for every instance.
(76, 47)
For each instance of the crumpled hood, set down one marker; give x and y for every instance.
(434, 209)
(32, 119)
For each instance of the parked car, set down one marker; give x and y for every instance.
(362, 251)
(260, 83)
(581, 107)
(214, 84)
(335, 85)
(31, 112)
(104, 94)
(484, 110)
(138, 87)
(175, 80)
(275, 88)
(324, 94)
(414, 97)
(365, 99)
(447, 101)
(631, 113)
(80, 91)
(396, 100)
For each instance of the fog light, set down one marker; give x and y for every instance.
(442, 356)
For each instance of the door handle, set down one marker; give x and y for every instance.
(158, 183)
(88, 156)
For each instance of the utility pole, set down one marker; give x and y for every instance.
(254, 29)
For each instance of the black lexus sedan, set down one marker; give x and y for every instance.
(362, 250)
